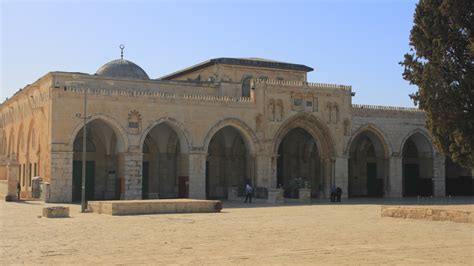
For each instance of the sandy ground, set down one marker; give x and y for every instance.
(351, 233)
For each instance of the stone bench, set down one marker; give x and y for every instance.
(428, 213)
(137, 207)
(56, 212)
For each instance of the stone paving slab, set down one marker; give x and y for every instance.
(458, 214)
(156, 206)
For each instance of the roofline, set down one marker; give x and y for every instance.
(239, 62)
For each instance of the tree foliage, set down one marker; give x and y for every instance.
(440, 63)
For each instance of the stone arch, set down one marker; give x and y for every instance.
(375, 131)
(317, 129)
(417, 153)
(179, 129)
(423, 133)
(247, 133)
(122, 138)
(368, 151)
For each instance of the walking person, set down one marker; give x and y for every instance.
(248, 193)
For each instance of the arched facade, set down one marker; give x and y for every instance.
(206, 131)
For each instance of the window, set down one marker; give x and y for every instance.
(297, 102)
(246, 86)
(309, 104)
(29, 174)
(133, 124)
(23, 175)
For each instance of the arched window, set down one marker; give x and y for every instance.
(246, 86)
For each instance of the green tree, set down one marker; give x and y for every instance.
(440, 63)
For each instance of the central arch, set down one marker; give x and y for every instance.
(304, 148)
(368, 163)
(164, 144)
(230, 161)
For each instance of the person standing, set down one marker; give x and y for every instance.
(18, 189)
(248, 193)
(338, 194)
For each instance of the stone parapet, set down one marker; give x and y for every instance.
(147, 93)
(297, 83)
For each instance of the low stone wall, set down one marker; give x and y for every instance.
(136, 207)
(428, 213)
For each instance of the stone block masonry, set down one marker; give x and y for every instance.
(430, 214)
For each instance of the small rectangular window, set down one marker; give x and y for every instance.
(309, 104)
(30, 172)
(297, 102)
(23, 174)
(133, 124)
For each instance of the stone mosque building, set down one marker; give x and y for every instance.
(206, 130)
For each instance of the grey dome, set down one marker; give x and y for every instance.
(122, 68)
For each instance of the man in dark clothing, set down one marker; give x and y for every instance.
(18, 189)
(248, 193)
(333, 194)
(338, 194)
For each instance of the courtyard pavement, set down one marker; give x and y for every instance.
(318, 233)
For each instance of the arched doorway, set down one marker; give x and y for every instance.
(102, 148)
(367, 166)
(417, 161)
(162, 163)
(227, 163)
(299, 160)
(459, 181)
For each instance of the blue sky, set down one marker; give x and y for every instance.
(356, 43)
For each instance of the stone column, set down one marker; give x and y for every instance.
(439, 176)
(341, 174)
(197, 175)
(61, 176)
(130, 174)
(12, 176)
(395, 187)
(263, 172)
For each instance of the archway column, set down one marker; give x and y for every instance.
(265, 174)
(130, 174)
(341, 175)
(395, 186)
(61, 176)
(12, 178)
(197, 175)
(439, 176)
